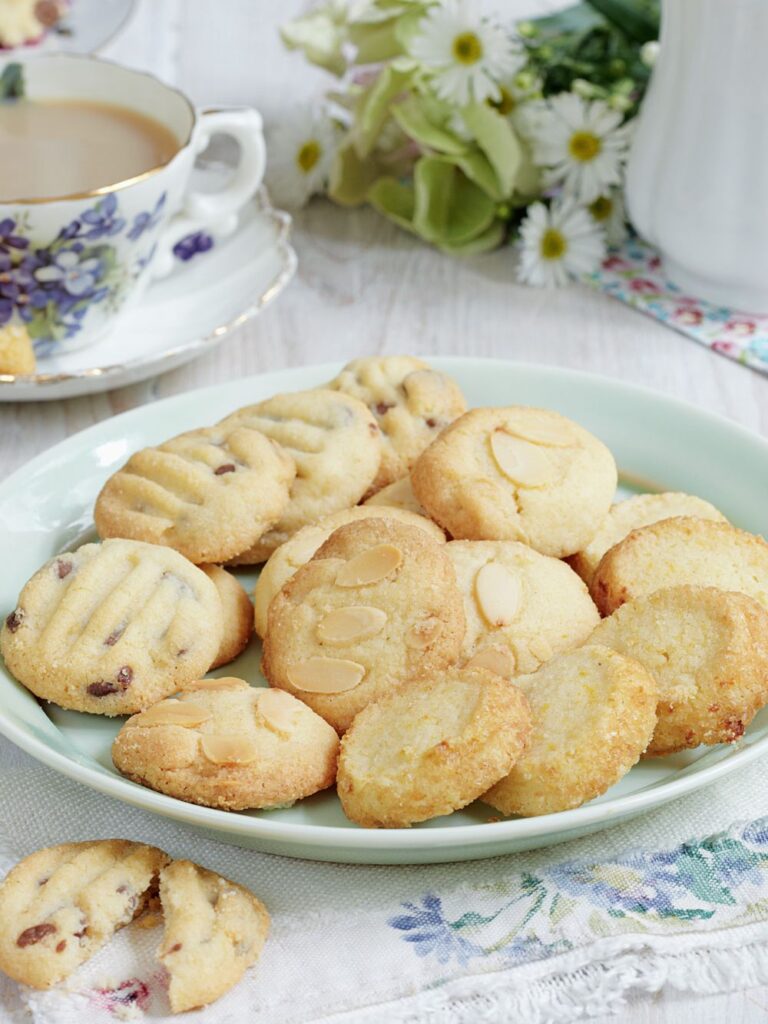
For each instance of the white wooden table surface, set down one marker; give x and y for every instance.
(364, 287)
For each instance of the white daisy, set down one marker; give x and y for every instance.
(558, 243)
(608, 212)
(583, 145)
(467, 55)
(300, 152)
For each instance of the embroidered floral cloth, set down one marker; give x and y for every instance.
(548, 935)
(633, 274)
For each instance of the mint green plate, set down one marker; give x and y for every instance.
(659, 443)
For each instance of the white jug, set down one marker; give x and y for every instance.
(697, 179)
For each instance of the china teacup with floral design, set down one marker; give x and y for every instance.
(71, 263)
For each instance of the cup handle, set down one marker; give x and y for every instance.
(220, 209)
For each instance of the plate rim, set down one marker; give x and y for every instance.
(298, 834)
(281, 221)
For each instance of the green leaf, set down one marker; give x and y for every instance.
(376, 41)
(12, 82)
(351, 176)
(629, 16)
(373, 107)
(450, 209)
(412, 118)
(491, 238)
(497, 139)
(395, 200)
(407, 27)
(477, 168)
(320, 36)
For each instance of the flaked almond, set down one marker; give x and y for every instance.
(325, 675)
(174, 712)
(370, 566)
(553, 433)
(225, 683)
(522, 462)
(495, 659)
(303, 548)
(540, 648)
(345, 625)
(499, 594)
(423, 633)
(277, 710)
(229, 749)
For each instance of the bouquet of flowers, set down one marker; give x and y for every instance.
(469, 133)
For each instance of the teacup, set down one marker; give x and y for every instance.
(70, 264)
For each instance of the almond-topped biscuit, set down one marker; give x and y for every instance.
(298, 549)
(593, 713)
(632, 513)
(111, 628)
(431, 747)
(521, 607)
(335, 443)
(517, 473)
(237, 611)
(708, 652)
(376, 606)
(397, 495)
(412, 403)
(677, 551)
(214, 930)
(61, 904)
(223, 743)
(208, 493)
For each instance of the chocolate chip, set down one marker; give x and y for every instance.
(83, 931)
(47, 12)
(43, 881)
(32, 935)
(228, 467)
(382, 407)
(114, 636)
(14, 620)
(125, 676)
(175, 947)
(102, 688)
(431, 423)
(63, 569)
(373, 428)
(61, 946)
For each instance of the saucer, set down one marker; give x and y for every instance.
(85, 28)
(218, 285)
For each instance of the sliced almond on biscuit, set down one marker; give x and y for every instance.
(325, 675)
(370, 566)
(345, 625)
(522, 462)
(499, 594)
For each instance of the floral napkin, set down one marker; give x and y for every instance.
(633, 273)
(550, 935)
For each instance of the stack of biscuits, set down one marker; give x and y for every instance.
(450, 606)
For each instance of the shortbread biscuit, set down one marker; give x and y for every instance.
(397, 495)
(376, 606)
(210, 493)
(593, 713)
(237, 611)
(412, 403)
(431, 747)
(639, 510)
(223, 743)
(299, 548)
(517, 473)
(113, 627)
(708, 652)
(335, 444)
(521, 607)
(677, 551)
(214, 930)
(61, 904)
(17, 356)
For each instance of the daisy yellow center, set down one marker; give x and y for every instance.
(601, 209)
(553, 244)
(467, 48)
(584, 146)
(308, 155)
(506, 102)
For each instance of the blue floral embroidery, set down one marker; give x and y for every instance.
(717, 880)
(191, 245)
(51, 287)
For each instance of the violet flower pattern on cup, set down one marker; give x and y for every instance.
(51, 285)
